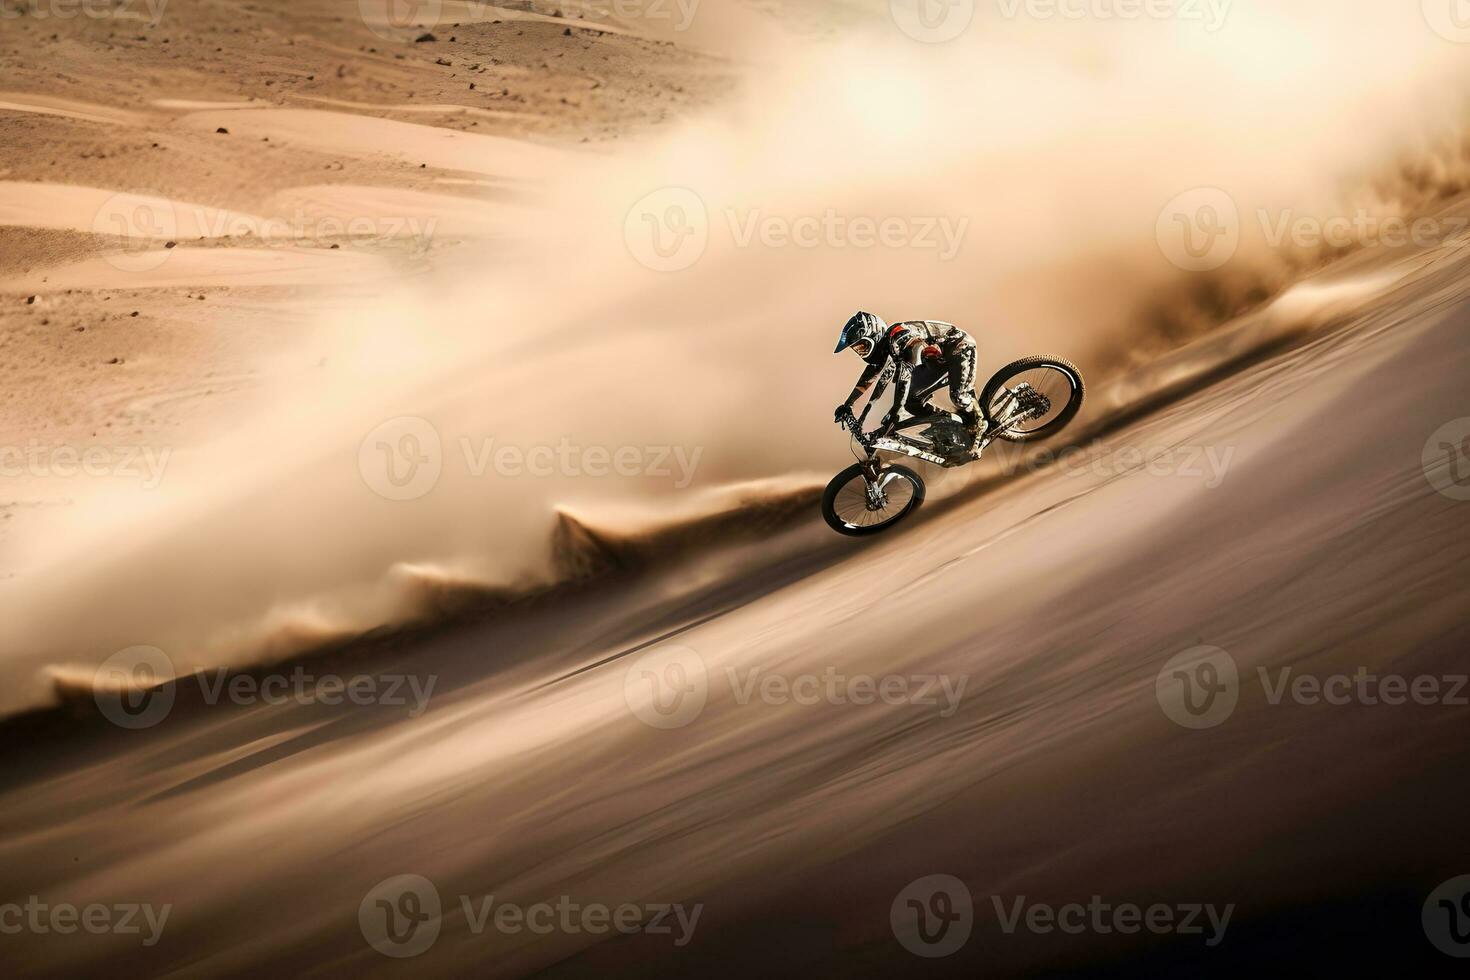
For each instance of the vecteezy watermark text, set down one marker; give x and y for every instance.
(90, 9)
(830, 229)
(300, 686)
(1363, 686)
(938, 21)
(402, 917)
(668, 687)
(1211, 13)
(1202, 230)
(58, 460)
(1103, 918)
(1200, 688)
(934, 916)
(832, 686)
(132, 688)
(1206, 464)
(404, 457)
(567, 458)
(669, 229)
(65, 919)
(149, 227)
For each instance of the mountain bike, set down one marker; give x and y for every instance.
(1028, 399)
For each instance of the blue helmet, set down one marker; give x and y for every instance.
(862, 331)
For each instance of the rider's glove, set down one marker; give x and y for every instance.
(843, 415)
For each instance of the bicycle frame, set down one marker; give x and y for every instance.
(889, 439)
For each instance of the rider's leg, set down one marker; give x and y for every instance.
(926, 378)
(962, 393)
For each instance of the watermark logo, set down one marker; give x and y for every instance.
(667, 687)
(1446, 917)
(1446, 459)
(932, 21)
(1199, 230)
(1198, 688)
(400, 20)
(132, 688)
(400, 916)
(402, 458)
(933, 916)
(148, 227)
(142, 223)
(138, 687)
(667, 230)
(1450, 19)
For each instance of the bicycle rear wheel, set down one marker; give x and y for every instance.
(1057, 379)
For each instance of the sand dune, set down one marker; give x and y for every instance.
(67, 109)
(201, 268)
(366, 136)
(96, 210)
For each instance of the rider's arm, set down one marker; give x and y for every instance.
(864, 383)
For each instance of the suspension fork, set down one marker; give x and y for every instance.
(874, 482)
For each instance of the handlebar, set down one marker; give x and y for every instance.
(854, 424)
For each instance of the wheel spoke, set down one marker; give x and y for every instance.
(1056, 385)
(851, 503)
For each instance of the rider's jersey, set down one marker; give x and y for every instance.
(904, 348)
(908, 341)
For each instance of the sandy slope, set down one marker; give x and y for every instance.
(1055, 775)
